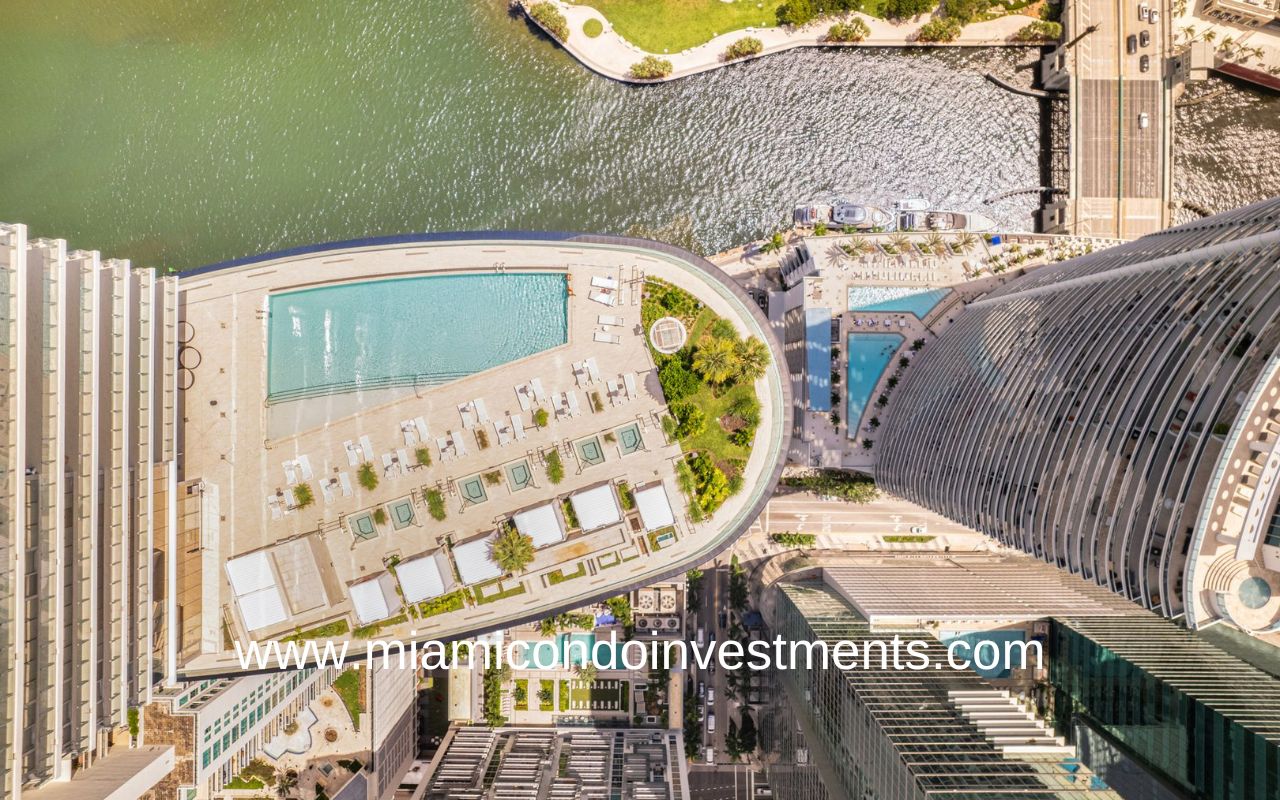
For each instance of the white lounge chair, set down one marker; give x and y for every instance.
(604, 282)
(345, 481)
(409, 432)
(290, 473)
(593, 370)
(538, 392)
(574, 408)
(304, 465)
(558, 403)
(326, 489)
(421, 425)
(607, 338)
(468, 416)
(446, 449)
(603, 297)
(504, 434)
(609, 320)
(630, 381)
(580, 374)
(388, 467)
(517, 424)
(353, 454)
(273, 503)
(368, 448)
(614, 397)
(522, 394)
(459, 446)
(482, 414)
(403, 457)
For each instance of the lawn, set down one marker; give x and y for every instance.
(599, 695)
(347, 686)
(560, 576)
(713, 440)
(673, 25)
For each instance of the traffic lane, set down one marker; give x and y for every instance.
(719, 782)
(1142, 150)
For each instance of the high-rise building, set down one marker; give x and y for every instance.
(874, 730)
(1116, 415)
(87, 468)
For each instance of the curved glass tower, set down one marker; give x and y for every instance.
(1115, 415)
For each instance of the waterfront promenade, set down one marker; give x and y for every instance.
(610, 55)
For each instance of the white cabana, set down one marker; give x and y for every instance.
(262, 609)
(655, 507)
(474, 564)
(250, 573)
(420, 578)
(596, 508)
(542, 524)
(253, 583)
(374, 599)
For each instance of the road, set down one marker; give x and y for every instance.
(725, 782)
(1121, 170)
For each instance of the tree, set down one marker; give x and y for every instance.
(587, 671)
(753, 359)
(677, 382)
(940, 29)
(775, 243)
(747, 733)
(367, 477)
(732, 741)
(550, 18)
(651, 68)
(555, 467)
(716, 360)
(512, 550)
(286, 782)
(746, 46)
(905, 9)
(855, 30)
(964, 11)
(851, 487)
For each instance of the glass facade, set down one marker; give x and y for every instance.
(1206, 721)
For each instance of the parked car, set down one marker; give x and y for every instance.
(1131, 44)
(711, 695)
(711, 755)
(1144, 63)
(1154, 17)
(1144, 11)
(711, 723)
(919, 529)
(1144, 121)
(1144, 38)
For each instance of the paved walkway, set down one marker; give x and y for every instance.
(612, 56)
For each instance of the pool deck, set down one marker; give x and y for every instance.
(244, 442)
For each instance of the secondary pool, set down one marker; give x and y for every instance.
(895, 299)
(559, 654)
(869, 354)
(409, 331)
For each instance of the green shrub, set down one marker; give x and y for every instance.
(625, 496)
(855, 30)
(691, 419)
(596, 402)
(711, 484)
(941, 29)
(905, 9)
(677, 381)
(570, 516)
(423, 456)
(964, 11)
(1039, 31)
(651, 68)
(482, 438)
(853, 487)
(549, 17)
(540, 417)
(380, 515)
(493, 477)
(794, 539)
(435, 505)
(744, 47)
(555, 467)
(367, 476)
(302, 495)
(135, 726)
(593, 28)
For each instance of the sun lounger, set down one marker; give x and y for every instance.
(273, 503)
(409, 432)
(420, 425)
(403, 457)
(345, 481)
(538, 392)
(353, 456)
(609, 320)
(459, 446)
(604, 282)
(602, 297)
(468, 416)
(517, 424)
(574, 408)
(612, 387)
(630, 381)
(504, 435)
(522, 394)
(388, 466)
(304, 464)
(482, 414)
(580, 373)
(290, 474)
(326, 489)
(558, 404)
(368, 448)
(607, 338)
(446, 449)
(593, 370)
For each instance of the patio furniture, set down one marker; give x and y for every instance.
(459, 446)
(607, 338)
(304, 464)
(630, 381)
(468, 416)
(572, 399)
(538, 392)
(609, 320)
(273, 503)
(522, 394)
(580, 373)
(592, 369)
(558, 403)
(518, 425)
(421, 425)
(445, 447)
(353, 456)
(409, 431)
(326, 489)
(604, 282)
(367, 445)
(482, 414)
(402, 456)
(604, 297)
(290, 474)
(388, 465)
(504, 434)
(344, 480)
(612, 387)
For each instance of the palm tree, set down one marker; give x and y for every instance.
(857, 246)
(933, 244)
(512, 550)
(716, 361)
(753, 359)
(286, 782)
(965, 241)
(587, 671)
(900, 243)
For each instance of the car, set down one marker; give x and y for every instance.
(919, 529)
(711, 755)
(724, 620)
(711, 723)
(1131, 44)
(1144, 38)
(1144, 121)
(1144, 63)
(711, 695)
(1144, 11)
(1155, 16)
(702, 690)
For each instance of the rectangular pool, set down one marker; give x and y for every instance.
(817, 332)
(421, 330)
(869, 354)
(895, 299)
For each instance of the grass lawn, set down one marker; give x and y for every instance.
(545, 685)
(240, 783)
(560, 576)
(599, 695)
(347, 686)
(522, 705)
(674, 25)
(564, 695)
(713, 440)
(483, 596)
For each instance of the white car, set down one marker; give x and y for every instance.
(919, 529)
(1155, 16)
(1144, 121)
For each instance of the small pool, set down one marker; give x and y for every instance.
(401, 513)
(472, 489)
(519, 475)
(895, 299)
(869, 354)
(420, 330)
(363, 525)
(629, 438)
(1254, 593)
(590, 451)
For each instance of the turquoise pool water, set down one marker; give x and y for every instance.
(869, 354)
(554, 655)
(895, 299)
(629, 439)
(589, 451)
(404, 331)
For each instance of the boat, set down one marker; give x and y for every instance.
(857, 215)
(915, 216)
(812, 213)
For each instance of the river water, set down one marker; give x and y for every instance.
(180, 132)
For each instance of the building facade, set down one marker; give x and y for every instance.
(88, 352)
(1116, 415)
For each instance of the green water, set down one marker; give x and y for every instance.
(181, 133)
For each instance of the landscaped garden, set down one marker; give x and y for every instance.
(347, 685)
(664, 26)
(598, 695)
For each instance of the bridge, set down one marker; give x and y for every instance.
(1120, 119)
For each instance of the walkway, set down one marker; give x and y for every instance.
(611, 55)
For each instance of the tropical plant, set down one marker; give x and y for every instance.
(302, 495)
(716, 360)
(540, 417)
(940, 29)
(676, 381)
(587, 671)
(651, 68)
(857, 246)
(752, 357)
(511, 550)
(550, 18)
(964, 241)
(493, 477)
(746, 46)
(435, 505)
(1039, 31)
(286, 783)
(906, 9)
(482, 438)
(555, 467)
(380, 515)
(367, 476)
(820, 228)
(852, 487)
(900, 242)
(775, 243)
(423, 456)
(855, 30)
(933, 244)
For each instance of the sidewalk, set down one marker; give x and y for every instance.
(612, 56)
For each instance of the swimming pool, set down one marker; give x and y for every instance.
(629, 439)
(559, 654)
(409, 331)
(895, 299)
(869, 354)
